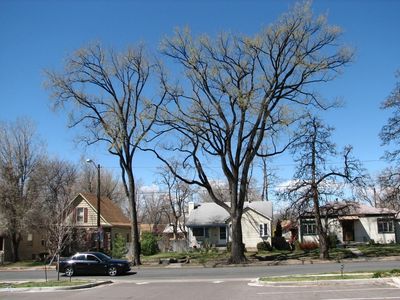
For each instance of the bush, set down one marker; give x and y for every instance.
(149, 244)
(332, 241)
(278, 230)
(264, 246)
(279, 243)
(119, 247)
(308, 246)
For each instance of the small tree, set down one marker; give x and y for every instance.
(119, 247)
(149, 244)
(315, 179)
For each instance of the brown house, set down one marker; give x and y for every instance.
(113, 222)
(85, 237)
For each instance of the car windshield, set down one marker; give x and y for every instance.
(103, 256)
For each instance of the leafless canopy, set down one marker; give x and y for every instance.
(105, 93)
(240, 91)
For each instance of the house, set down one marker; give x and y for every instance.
(209, 223)
(84, 214)
(113, 222)
(351, 222)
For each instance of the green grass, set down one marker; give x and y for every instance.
(39, 284)
(198, 256)
(24, 264)
(334, 276)
(380, 250)
(315, 277)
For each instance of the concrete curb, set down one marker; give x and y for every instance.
(57, 288)
(390, 280)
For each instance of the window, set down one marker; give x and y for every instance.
(222, 233)
(79, 257)
(200, 232)
(30, 237)
(264, 230)
(81, 215)
(309, 227)
(92, 258)
(385, 226)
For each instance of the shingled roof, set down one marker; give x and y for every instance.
(109, 211)
(211, 214)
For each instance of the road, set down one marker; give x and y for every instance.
(234, 283)
(232, 289)
(248, 272)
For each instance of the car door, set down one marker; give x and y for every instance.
(95, 265)
(80, 263)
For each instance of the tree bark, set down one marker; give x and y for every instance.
(238, 248)
(15, 240)
(135, 245)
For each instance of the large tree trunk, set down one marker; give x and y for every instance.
(135, 245)
(322, 235)
(15, 240)
(237, 246)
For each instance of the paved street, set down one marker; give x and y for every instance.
(193, 273)
(217, 283)
(216, 289)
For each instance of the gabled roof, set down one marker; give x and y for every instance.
(109, 211)
(343, 208)
(211, 214)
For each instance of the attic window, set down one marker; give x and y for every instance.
(81, 215)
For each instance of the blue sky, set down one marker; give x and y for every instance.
(38, 35)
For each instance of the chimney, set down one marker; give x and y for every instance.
(191, 207)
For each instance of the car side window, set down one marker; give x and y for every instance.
(92, 258)
(79, 257)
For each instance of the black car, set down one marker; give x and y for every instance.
(93, 263)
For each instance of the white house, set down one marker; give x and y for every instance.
(352, 223)
(210, 223)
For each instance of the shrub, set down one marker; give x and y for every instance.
(279, 243)
(149, 244)
(308, 246)
(119, 247)
(264, 246)
(278, 230)
(332, 241)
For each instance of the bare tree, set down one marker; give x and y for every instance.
(153, 208)
(110, 186)
(390, 178)
(57, 190)
(315, 181)
(237, 93)
(105, 93)
(178, 194)
(20, 155)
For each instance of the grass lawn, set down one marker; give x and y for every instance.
(380, 250)
(24, 264)
(50, 283)
(335, 276)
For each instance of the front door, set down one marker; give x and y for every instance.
(348, 230)
(222, 236)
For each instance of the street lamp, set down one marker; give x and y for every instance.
(98, 201)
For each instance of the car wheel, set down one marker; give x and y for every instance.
(69, 271)
(112, 271)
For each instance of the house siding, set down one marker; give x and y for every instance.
(31, 249)
(91, 216)
(251, 221)
(365, 230)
